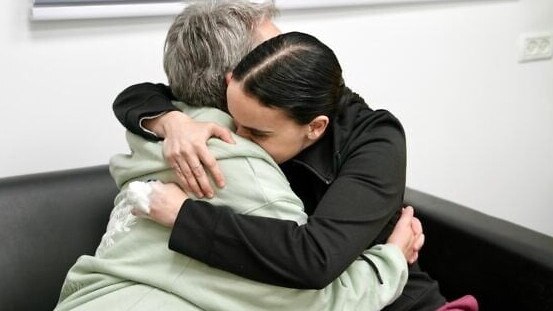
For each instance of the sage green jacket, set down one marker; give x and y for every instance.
(133, 269)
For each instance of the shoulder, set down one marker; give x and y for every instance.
(357, 116)
(246, 158)
(242, 149)
(255, 185)
(206, 114)
(377, 134)
(370, 140)
(359, 125)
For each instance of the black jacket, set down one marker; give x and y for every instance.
(351, 182)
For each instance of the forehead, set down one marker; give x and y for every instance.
(266, 30)
(249, 112)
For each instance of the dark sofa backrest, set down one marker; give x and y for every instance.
(505, 266)
(46, 222)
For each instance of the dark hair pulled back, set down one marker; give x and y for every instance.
(295, 72)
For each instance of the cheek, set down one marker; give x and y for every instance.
(268, 146)
(274, 149)
(281, 150)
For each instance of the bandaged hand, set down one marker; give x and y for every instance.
(166, 201)
(138, 196)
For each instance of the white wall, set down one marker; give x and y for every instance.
(479, 124)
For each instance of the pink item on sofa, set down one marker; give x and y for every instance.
(465, 303)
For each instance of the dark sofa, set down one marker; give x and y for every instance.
(47, 220)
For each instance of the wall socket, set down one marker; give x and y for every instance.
(535, 46)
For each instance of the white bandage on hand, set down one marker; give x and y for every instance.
(138, 196)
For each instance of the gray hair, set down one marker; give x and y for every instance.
(207, 40)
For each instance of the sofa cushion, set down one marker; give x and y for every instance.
(46, 221)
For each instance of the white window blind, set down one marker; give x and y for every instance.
(92, 9)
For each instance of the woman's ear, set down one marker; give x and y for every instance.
(317, 127)
(228, 77)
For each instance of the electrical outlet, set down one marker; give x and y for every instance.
(535, 46)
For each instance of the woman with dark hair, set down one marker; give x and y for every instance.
(292, 83)
(344, 160)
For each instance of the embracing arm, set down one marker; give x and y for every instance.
(351, 215)
(141, 108)
(363, 285)
(140, 101)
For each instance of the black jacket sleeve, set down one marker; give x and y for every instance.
(357, 206)
(139, 101)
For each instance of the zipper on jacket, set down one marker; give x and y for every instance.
(312, 170)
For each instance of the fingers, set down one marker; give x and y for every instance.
(200, 159)
(416, 225)
(188, 169)
(406, 217)
(417, 245)
(408, 235)
(209, 161)
(419, 242)
(413, 258)
(165, 203)
(172, 152)
(187, 177)
(181, 179)
(198, 179)
(211, 165)
(409, 210)
(402, 235)
(222, 133)
(189, 156)
(191, 178)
